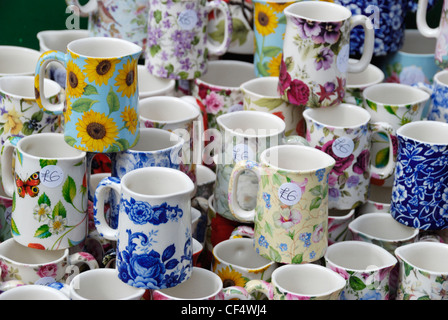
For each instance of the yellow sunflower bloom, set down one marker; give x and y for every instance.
(231, 277)
(130, 118)
(75, 81)
(100, 71)
(274, 65)
(126, 80)
(68, 111)
(279, 6)
(265, 19)
(97, 131)
(12, 121)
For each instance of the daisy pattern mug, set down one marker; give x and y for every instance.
(316, 49)
(101, 93)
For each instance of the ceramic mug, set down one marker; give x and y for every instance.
(218, 91)
(420, 188)
(5, 216)
(260, 94)
(423, 271)
(438, 109)
(316, 49)
(203, 285)
(440, 32)
(115, 19)
(365, 266)
(242, 135)
(102, 284)
(300, 282)
(291, 213)
(49, 191)
(236, 263)
(383, 230)
(181, 117)
(16, 60)
(358, 81)
(338, 221)
(345, 133)
(21, 115)
(33, 292)
(269, 30)
(205, 180)
(32, 266)
(396, 104)
(101, 93)
(154, 239)
(177, 46)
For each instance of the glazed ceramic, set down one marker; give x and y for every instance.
(338, 221)
(177, 46)
(300, 282)
(203, 285)
(440, 32)
(150, 246)
(291, 213)
(396, 104)
(49, 191)
(116, 19)
(16, 60)
(243, 135)
(316, 49)
(101, 93)
(150, 85)
(358, 81)
(236, 263)
(218, 91)
(102, 284)
(181, 117)
(420, 188)
(269, 30)
(381, 229)
(5, 216)
(378, 200)
(345, 133)
(423, 271)
(205, 181)
(366, 268)
(21, 115)
(414, 62)
(438, 109)
(32, 266)
(260, 94)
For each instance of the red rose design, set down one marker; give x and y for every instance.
(341, 163)
(298, 92)
(284, 79)
(362, 162)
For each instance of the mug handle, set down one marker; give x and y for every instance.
(369, 43)
(220, 49)
(389, 169)
(236, 293)
(239, 213)
(99, 216)
(79, 258)
(254, 286)
(39, 77)
(422, 24)
(6, 163)
(84, 10)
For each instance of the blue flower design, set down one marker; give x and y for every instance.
(141, 212)
(320, 174)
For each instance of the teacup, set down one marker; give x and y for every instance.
(365, 266)
(33, 266)
(19, 61)
(338, 221)
(300, 282)
(438, 109)
(378, 200)
(423, 271)
(236, 263)
(358, 81)
(205, 180)
(150, 85)
(203, 285)
(102, 284)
